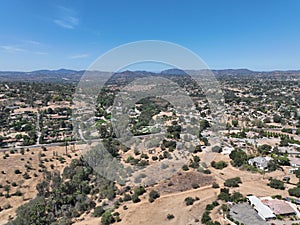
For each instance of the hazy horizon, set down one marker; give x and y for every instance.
(147, 70)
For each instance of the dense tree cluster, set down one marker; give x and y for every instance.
(63, 197)
(219, 165)
(233, 182)
(226, 196)
(277, 184)
(238, 157)
(295, 192)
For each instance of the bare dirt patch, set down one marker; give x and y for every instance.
(184, 181)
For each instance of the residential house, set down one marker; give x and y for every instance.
(260, 162)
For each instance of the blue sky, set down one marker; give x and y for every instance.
(254, 34)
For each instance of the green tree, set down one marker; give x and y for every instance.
(98, 211)
(216, 149)
(294, 192)
(239, 157)
(277, 118)
(206, 218)
(170, 216)
(127, 197)
(189, 201)
(235, 123)
(139, 190)
(277, 184)
(219, 165)
(33, 212)
(283, 161)
(233, 182)
(224, 194)
(263, 149)
(185, 168)
(203, 125)
(297, 172)
(107, 218)
(284, 141)
(135, 198)
(236, 197)
(215, 185)
(153, 195)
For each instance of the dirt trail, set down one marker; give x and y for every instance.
(155, 213)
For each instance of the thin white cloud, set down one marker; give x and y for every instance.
(79, 56)
(11, 48)
(14, 49)
(40, 53)
(66, 18)
(32, 42)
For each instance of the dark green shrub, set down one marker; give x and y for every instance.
(233, 182)
(277, 184)
(170, 216)
(185, 168)
(17, 171)
(215, 185)
(127, 197)
(153, 195)
(135, 198)
(189, 201)
(219, 165)
(107, 218)
(139, 190)
(98, 211)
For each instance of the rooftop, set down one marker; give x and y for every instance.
(279, 207)
(263, 210)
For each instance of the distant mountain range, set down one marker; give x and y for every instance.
(65, 75)
(42, 75)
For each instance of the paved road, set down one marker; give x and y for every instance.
(37, 146)
(296, 137)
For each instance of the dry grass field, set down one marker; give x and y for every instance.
(147, 213)
(144, 212)
(29, 163)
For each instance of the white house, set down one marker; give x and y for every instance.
(227, 150)
(263, 211)
(260, 162)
